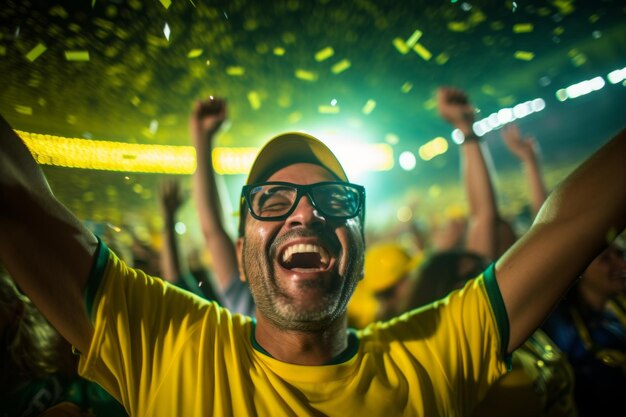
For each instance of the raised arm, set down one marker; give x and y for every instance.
(525, 149)
(571, 229)
(455, 108)
(44, 247)
(205, 120)
(171, 199)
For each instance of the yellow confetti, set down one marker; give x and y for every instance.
(3, 50)
(523, 27)
(430, 104)
(369, 106)
(476, 17)
(254, 99)
(77, 55)
(558, 30)
(328, 109)
(340, 66)
(488, 90)
(506, 101)
(594, 18)
(414, 38)
(235, 71)
(497, 25)
(442, 58)
(524, 55)
(306, 75)
(458, 26)
(58, 11)
(71, 119)
(194, 53)
(166, 3)
(24, 110)
(565, 6)
(324, 54)
(543, 11)
(401, 46)
(278, 51)
(422, 51)
(406, 87)
(35, 52)
(294, 117)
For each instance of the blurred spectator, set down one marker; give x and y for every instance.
(205, 120)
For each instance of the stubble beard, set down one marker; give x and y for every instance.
(281, 308)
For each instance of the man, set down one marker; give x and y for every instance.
(162, 351)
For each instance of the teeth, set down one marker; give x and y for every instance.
(306, 248)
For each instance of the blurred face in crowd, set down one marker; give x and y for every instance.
(302, 270)
(606, 275)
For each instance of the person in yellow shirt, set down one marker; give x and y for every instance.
(165, 352)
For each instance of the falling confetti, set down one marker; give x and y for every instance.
(36, 52)
(235, 71)
(442, 58)
(422, 51)
(194, 53)
(400, 45)
(166, 31)
(24, 110)
(340, 66)
(524, 55)
(523, 27)
(77, 55)
(166, 3)
(324, 54)
(324, 109)
(254, 99)
(305, 75)
(406, 87)
(278, 51)
(369, 106)
(414, 38)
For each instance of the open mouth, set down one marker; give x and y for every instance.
(305, 257)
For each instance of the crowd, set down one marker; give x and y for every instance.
(303, 313)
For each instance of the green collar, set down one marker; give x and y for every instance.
(344, 356)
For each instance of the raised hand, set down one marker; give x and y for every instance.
(170, 195)
(206, 118)
(523, 147)
(455, 108)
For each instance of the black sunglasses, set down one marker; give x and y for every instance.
(275, 200)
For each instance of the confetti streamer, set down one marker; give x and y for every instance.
(325, 109)
(422, 51)
(194, 53)
(369, 106)
(254, 99)
(24, 110)
(524, 55)
(235, 71)
(35, 52)
(400, 46)
(442, 58)
(306, 75)
(458, 26)
(340, 66)
(523, 27)
(324, 54)
(77, 56)
(414, 38)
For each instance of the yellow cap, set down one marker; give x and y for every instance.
(386, 264)
(290, 148)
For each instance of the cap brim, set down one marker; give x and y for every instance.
(290, 148)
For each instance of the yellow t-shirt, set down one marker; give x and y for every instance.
(164, 352)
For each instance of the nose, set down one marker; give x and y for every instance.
(305, 214)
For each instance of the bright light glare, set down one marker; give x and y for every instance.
(180, 228)
(616, 76)
(407, 160)
(404, 214)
